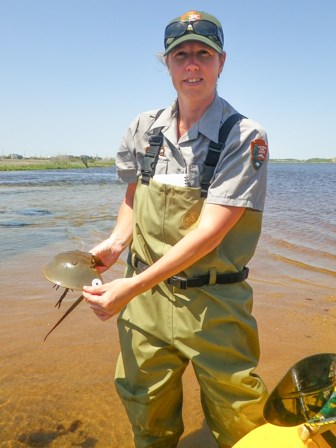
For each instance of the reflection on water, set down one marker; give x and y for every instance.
(299, 232)
(41, 208)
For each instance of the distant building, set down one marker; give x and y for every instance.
(15, 156)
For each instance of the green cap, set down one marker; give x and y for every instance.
(209, 32)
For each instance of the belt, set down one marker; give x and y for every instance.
(193, 282)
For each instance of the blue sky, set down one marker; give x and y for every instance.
(74, 73)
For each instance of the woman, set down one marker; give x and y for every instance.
(192, 224)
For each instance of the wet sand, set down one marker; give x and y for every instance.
(60, 393)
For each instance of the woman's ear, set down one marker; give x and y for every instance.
(166, 62)
(222, 59)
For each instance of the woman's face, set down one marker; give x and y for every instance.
(194, 68)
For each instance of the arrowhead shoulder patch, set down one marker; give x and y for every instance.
(259, 151)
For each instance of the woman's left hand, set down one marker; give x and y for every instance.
(109, 299)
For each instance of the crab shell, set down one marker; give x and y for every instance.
(73, 270)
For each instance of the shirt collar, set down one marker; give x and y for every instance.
(168, 123)
(208, 125)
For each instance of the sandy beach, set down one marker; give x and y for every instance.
(60, 393)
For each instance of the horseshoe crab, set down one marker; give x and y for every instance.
(72, 270)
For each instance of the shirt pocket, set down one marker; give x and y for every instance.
(162, 165)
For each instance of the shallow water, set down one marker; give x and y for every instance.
(77, 208)
(300, 216)
(66, 206)
(60, 393)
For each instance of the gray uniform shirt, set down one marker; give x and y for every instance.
(238, 180)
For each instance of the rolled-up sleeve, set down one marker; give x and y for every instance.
(132, 149)
(126, 160)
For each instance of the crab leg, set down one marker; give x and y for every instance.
(68, 311)
(58, 304)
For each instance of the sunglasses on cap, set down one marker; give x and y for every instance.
(201, 27)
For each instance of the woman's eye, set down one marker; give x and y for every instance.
(180, 55)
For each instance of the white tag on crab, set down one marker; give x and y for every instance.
(96, 282)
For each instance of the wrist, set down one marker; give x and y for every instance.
(117, 244)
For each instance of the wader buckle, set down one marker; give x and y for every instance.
(177, 282)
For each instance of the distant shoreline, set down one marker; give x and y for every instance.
(53, 163)
(316, 160)
(72, 162)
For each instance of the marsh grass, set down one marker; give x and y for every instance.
(54, 163)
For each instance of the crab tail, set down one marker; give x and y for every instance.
(68, 311)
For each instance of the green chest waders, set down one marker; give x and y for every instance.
(168, 326)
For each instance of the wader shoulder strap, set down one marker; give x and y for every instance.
(215, 150)
(151, 157)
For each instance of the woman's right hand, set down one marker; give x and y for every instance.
(106, 254)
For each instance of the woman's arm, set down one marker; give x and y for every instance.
(109, 250)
